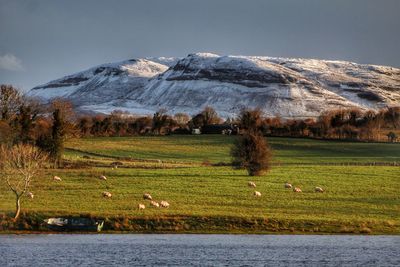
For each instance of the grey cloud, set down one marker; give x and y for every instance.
(11, 63)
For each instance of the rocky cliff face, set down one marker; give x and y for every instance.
(280, 86)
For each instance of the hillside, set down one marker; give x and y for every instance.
(280, 86)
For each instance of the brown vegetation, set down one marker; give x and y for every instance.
(251, 151)
(19, 165)
(24, 120)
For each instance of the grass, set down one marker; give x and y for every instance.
(358, 199)
(215, 148)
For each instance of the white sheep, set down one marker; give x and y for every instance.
(297, 190)
(154, 204)
(287, 185)
(56, 178)
(141, 206)
(319, 189)
(164, 204)
(107, 194)
(257, 194)
(103, 177)
(30, 194)
(147, 196)
(251, 184)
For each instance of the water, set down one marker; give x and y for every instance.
(198, 250)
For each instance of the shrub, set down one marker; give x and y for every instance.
(252, 153)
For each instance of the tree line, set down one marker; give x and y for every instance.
(342, 124)
(27, 121)
(24, 120)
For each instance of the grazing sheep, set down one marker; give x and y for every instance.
(141, 206)
(257, 194)
(319, 189)
(107, 194)
(164, 204)
(297, 190)
(103, 177)
(56, 178)
(30, 194)
(251, 184)
(147, 196)
(154, 204)
(287, 185)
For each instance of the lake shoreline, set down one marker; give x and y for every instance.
(33, 223)
(17, 233)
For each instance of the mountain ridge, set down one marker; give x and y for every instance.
(286, 87)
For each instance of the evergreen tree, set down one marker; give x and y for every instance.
(24, 124)
(57, 135)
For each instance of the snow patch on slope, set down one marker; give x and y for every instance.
(288, 87)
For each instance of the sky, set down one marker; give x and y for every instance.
(42, 40)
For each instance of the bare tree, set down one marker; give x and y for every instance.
(182, 119)
(10, 100)
(210, 116)
(19, 165)
(251, 120)
(160, 120)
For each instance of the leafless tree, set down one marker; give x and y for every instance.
(182, 119)
(10, 100)
(210, 116)
(251, 120)
(19, 165)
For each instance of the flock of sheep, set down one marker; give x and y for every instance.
(106, 194)
(287, 186)
(146, 196)
(165, 204)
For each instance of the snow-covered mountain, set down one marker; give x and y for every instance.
(280, 86)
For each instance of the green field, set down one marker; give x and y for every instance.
(215, 148)
(358, 199)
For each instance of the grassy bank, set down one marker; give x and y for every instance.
(358, 199)
(33, 223)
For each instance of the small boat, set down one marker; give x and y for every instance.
(74, 224)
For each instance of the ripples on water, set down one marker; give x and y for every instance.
(200, 250)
